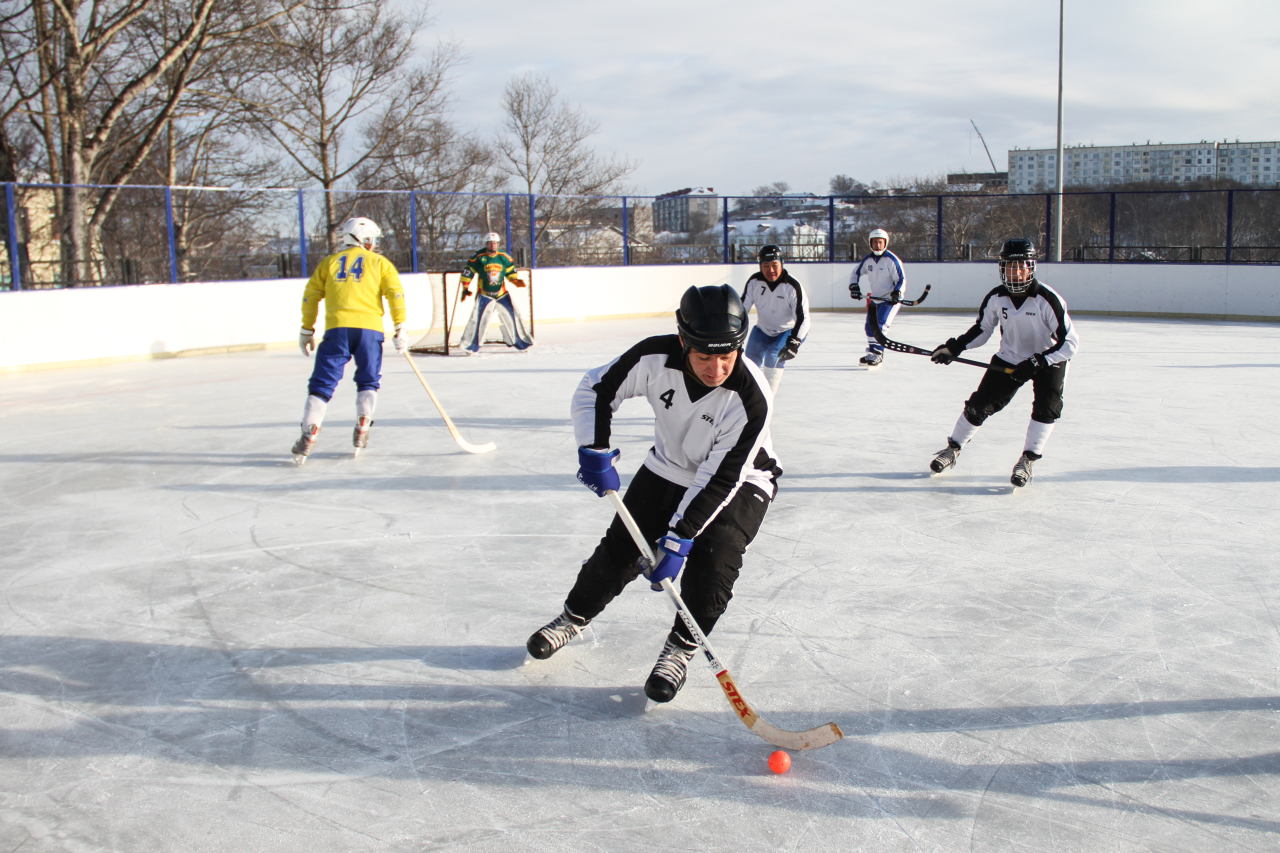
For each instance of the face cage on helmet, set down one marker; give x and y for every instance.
(1030, 266)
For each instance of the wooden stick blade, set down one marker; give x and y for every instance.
(814, 738)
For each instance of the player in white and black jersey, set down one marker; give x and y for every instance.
(1037, 340)
(702, 491)
(782, 315)
(880, 275)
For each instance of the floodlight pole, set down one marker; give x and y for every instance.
(1057, 218)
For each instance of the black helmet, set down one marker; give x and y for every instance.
(769, 253)
(1017, 250)
(711, 319)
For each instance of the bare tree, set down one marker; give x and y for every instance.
(843, 185)
(339, 71)
(100, 86)
(544, 148)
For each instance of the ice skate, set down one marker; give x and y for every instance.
(669, 672)
(946, 457)
(871, 359)
(1022, 470)
(553, 636)
(302, 447)
(360, 438)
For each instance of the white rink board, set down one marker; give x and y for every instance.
(90, 324)
(205, 648)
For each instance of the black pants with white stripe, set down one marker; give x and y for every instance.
(996, 390)
(710, 570)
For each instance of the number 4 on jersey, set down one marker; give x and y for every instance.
(668, 396)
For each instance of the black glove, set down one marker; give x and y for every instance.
(855, 292)
(895, 297)
(947, 352)
(1025, 370)
(789, 351)
(465, 294)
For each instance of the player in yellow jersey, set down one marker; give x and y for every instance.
(493, 270)
(352, 284)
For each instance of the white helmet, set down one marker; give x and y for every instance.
(492, 237)
(882, 234)
(361, 232)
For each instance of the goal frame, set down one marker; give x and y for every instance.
(449, 313)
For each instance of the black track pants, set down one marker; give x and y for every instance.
(997, 389)
(706, 584)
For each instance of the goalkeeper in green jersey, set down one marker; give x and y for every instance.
(493, 270)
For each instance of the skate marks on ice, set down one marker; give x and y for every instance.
(286, 710)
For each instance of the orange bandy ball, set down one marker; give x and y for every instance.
(780, 762)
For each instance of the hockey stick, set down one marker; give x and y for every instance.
(815, 738)
(910, 302)
(897, 347)
(453, 430)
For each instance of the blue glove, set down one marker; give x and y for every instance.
(1025, 370)
(596, 471)
(672, 550)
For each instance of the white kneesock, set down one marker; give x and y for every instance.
(313, 412)
(365, 401)
(774, 376)
(963, 431)
(1037, 435)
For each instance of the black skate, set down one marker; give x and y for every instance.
(871, 359)
(360, 438)
(669, 672)
(302, 447)
(946, 458)
(553, 636)
(1022, 470)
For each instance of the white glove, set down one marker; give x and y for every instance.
(306, 341)
(401, 339)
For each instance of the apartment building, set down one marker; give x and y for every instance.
(1090, 166)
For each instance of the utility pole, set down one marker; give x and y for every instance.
(1057, 219)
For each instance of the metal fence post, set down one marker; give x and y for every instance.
(1048, 225)
(725, 224)
(533, 230)
(1231, 210)
(15, 273)
(626, 244)
(173, 246)
(1111, 238)
(413, 228)
(831, 229)
(302, 234)
(939, 235)
(508, 243)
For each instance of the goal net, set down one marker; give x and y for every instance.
(449, 314)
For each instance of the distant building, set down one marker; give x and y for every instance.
(982, 180)
(689, 209)
(1033, 170)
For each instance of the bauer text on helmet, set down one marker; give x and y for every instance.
(1017, 265)
(361, 232)
(879, 240)
(711, 319)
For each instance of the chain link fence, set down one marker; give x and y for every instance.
(74, 236)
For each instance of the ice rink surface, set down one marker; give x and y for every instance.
(204, 648)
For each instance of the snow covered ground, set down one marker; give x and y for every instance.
(206, 648)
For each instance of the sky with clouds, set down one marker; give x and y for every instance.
(737, 94)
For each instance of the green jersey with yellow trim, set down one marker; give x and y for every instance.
(494, 271)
